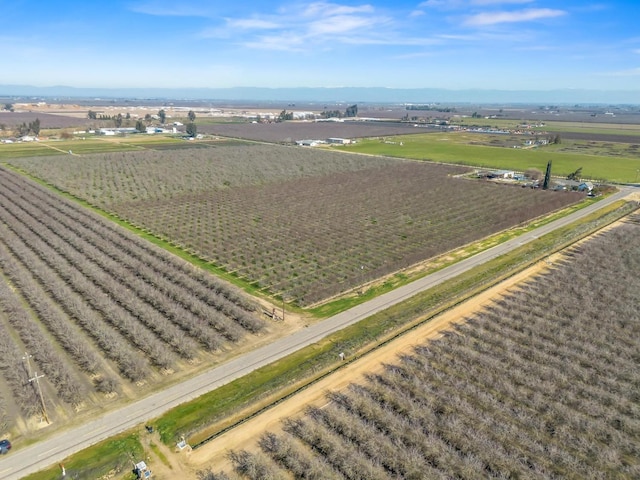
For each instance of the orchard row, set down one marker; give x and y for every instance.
(298, 223)
(113, 178)
(312, 238)
(95, 305)
(543, 384)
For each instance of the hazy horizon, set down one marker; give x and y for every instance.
(329, 95)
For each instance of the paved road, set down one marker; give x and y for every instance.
(22, 461)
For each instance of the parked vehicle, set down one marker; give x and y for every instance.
(5, 446)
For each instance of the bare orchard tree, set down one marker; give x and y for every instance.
(255, 466)
(209, 475)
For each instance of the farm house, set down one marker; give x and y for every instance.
(308, 143)
(338, 141)
(116, 131)
(501, 174)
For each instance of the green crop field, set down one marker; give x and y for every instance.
(89, 144)
(598, 128)
(592, 128)
(455, 147)
(19, 150)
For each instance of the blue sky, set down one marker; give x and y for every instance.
(453, 44)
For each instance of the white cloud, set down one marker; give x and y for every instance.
(410, 56)
(253, 24)
(433, 4)
(499, 2)
(341, 23)
(494, 18)
(311, 26)
(318, 26)
(631, 72)
(170, 9)
(286, 42)
(332, 9)
(466, 4)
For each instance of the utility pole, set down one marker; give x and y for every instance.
(37, 378)
(26, 357)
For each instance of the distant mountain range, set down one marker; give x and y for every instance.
(335, 95)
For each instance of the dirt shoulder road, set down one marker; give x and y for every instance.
(213, 454)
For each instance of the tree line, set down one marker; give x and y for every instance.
(141, 125)
(28, 128)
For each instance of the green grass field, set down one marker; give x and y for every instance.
(592, 128)
(91, 144)
(105, 460)
(454, 147)
(598, 128)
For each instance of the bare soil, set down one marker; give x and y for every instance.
(287, 132)
(47, 120)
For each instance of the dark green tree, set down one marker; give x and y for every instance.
(162, 115)
(192, 129)
(91, 115)
(351, 111)
(140, 126)
(575, 175)
(192, 116)
(8, 107)
(284, 115)
(117, 120)
(331, 114)
(547, 177)
(22, 130)
(34, 127)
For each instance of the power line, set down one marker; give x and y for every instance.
(26, 357)
(37, 378)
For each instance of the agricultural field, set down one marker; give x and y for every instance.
(101, 313)
(297, 223)
(543, 383)
(613, 162)
(47, 120)
(288, 132)
(80, 145)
